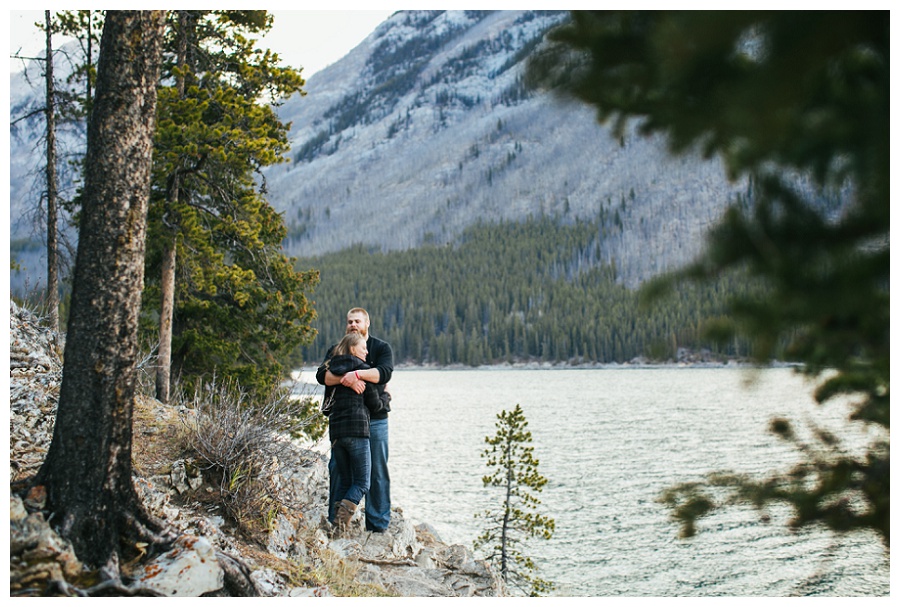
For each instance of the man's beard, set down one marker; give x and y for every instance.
(362, 332)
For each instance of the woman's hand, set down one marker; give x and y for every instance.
(352, 381)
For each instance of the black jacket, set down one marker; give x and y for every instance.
(348, 412)
(380, 357)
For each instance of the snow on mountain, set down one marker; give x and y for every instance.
(426, 127)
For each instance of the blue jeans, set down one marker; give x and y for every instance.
(351, 465)
(378, 499)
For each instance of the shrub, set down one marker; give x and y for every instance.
(244, 446)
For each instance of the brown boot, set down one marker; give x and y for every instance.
(343, 513)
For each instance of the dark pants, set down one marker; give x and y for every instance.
(378, 498)
(350, 469)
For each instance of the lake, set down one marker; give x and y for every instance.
(609, 441)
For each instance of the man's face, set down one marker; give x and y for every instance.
(357, 323)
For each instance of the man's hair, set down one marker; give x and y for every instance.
(359, 311)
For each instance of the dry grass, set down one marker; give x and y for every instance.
(327, 569)
(340, 576)
(159, 437)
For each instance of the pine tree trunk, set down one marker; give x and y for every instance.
(88, 84)
(87, 472)
(186, 23)
(166, 312)
(52, 243)
(507, 509)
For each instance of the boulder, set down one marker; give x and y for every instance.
(37, 553)
(191, 568)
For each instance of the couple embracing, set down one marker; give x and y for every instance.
(355, 375)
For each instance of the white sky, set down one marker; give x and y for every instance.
(308, 39)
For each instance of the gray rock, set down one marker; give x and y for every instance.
(283, 538)
(189, 569)
(36, 551)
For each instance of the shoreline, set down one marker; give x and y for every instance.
(565, 366)
(562, 366)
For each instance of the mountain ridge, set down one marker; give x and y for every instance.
(465, 141)
(426, 126)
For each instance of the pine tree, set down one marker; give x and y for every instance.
(234, 303)
(52, 184)
(87, 471)
(515, 473)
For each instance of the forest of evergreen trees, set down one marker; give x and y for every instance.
(511, 292)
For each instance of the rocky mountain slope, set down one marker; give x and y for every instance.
(426, 127)
(298, 555)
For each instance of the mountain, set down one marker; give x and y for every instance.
(427, 127)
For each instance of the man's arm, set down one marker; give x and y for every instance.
(382, 367)
(321, 375)
(370, 375)
(356, 380)
(330, 379)
(382, 361)
(323, 369)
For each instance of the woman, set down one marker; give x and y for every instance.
(348, 428)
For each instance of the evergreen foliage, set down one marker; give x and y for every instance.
(782, 97)
(239, 307)
(239, 304)
(513, 292)
(510, 456)
(85, 27)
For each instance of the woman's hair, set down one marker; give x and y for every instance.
(348, 341)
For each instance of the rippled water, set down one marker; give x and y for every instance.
(609, 441)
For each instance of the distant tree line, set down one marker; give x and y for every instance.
(513, 292)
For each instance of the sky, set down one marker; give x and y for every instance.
(308, 39)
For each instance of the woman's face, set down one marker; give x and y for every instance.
(359, 350)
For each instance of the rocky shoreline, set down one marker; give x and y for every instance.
(210, 558)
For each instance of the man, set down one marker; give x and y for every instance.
(381, 360)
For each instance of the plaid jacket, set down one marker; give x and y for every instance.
(380, 357)
(348, 412)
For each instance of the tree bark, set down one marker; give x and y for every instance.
(52, 242)
(187, 21)
(87, 472)
(166, 312)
